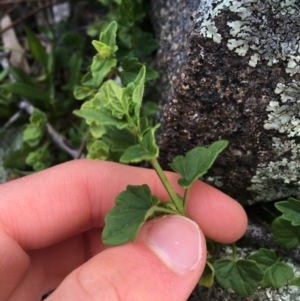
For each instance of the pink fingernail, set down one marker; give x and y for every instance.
(176, 240)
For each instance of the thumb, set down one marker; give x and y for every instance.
(164, 263)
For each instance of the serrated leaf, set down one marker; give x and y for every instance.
(115, 99)
(207, 277)
(100, 68)
(36, 48)
(295, 281)
(196, 162)
(100, 117)
(284, 233)
(290, 210)
(243, 276)
(277, 274)
(147, 150)
(108, 36)
(133, 207)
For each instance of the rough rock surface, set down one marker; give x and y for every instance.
(231, 70)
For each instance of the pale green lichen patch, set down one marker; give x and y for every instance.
(285, 118)
(271, 179)
(269, 29)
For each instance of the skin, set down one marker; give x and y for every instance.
(50, 226)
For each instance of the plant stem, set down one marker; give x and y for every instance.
(233, 246)
(186, 192)
(167, 185)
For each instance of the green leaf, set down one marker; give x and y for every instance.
(25, 90)
(147, 150)
(103, 50)
(243, 276)
(284, 233)
(36, 48)
(97, 131)
(98, 150)
(149, 109)
(100, 117)
(32, 134)
(131, 68)
(196, 162)
(295, 281)
(145, 44)
(138, 92)
(22, 77)
(83, 92)
(133, 207)
(115, 99)
(100, 68)
(277, 274)
(87, 79)
(11, 141)
(40, 158)
(4, 73)
(38, 118)
(290, 210)
(120, 140)
(207, 277)
(108, 36)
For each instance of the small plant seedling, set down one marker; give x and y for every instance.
(113, 112)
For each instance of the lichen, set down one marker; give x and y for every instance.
(272, 179)
(269, 29)
(285, 118)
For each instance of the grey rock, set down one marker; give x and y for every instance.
(231, 70)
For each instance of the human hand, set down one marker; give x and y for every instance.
(50, 226)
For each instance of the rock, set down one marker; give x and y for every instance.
(231, 70)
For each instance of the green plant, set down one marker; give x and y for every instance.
(38, 106)
(121, 133)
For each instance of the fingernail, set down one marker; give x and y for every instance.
(176, 241)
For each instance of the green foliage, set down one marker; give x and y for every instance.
(276, 273)
(207, 277)
(284, 233)
(243, 276)
(196, 162)
(290, 210)
(48, 95)
(133, 40)
(133, 207)
(120, 133)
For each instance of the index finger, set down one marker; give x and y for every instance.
(47, 207)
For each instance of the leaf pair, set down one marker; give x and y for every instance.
(261, 269)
